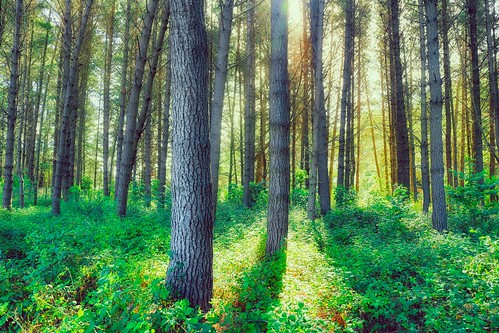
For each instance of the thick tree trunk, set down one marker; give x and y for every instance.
(190, 272)
(12, 106)
(279, 176)
(218, 92)
(130, 141)
(439, 210)
(249, 109)
(425, 175)
(475, 92)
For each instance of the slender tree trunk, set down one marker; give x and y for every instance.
(347, 82)
(475, 77)
(305, 113)
(249, 109)
(107, 99)
(492, 69)
(425, 175)
(190, 271)
(12, 106)
(165, 138)
(225, 29)
(130, 140)
(448, 93)
(279, 177)
(439, 210)
(64, 130)
(123, 96)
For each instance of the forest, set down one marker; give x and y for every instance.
(249, 166)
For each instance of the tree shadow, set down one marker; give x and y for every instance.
(258, 292)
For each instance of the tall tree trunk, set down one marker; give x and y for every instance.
(321, 146)
(448, 93)
(225, 29)
(439, 210)
(400, 113)
(107, 99)
(305, 113)
(249, 109)
(492, 69)
(165, 138)
(190, 271)
(425, 175)
(346, 88)
(279, 176)
(123, 96)
(130, 140)
(475, 77)
(64, 131)
(12, 106)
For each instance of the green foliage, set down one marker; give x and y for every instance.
(343, 197)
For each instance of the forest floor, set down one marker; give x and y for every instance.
(379, 268)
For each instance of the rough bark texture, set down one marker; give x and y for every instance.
(317, 31)
(128, 156)
(218, 92)
(279, 177)
(425, 175)
(249, 109)
(190, 272)
(475, 90)
(439, 211)
(12, 107)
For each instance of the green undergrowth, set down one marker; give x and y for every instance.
(375, 269)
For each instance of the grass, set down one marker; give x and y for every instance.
(374, 269)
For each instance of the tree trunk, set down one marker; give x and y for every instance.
(130, 140)
(165, 138)
(12, 106)
(218, 92)
(190, 271)
(425, 175)
(107, 99)
(346, 88)
(123, 96)
(317, 29)
(249, 109)
(279, 175)
(475, 77)
(64, 131)
(305, 113)
(439, 210)
(400, 113)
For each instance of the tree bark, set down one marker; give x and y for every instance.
(279, 119)
(165, 138)
(249, 109)
(130, 140)
(225, 29)
(190, 271)
(425, 175)
(439, 210)
(12, 106)
(107, 99)
(475, 92)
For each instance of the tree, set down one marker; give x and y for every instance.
(320, 136)
(279, 118)
(425, 175)
(128, 152)
(62, 162)
(225, 29)
(439, 212)
(12, 107)
(475, 88)
(249, 109)
(191, 265)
